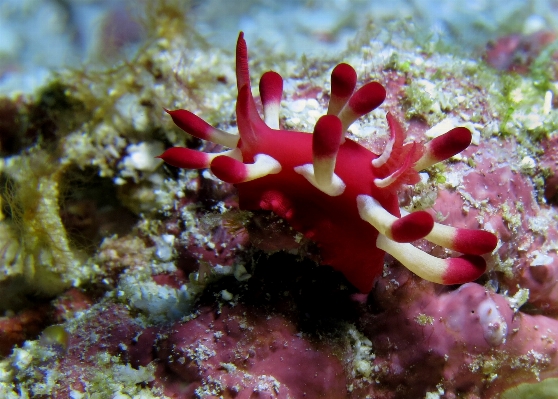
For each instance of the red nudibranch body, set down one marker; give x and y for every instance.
(330, 188)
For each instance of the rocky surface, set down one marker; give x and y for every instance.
(124, 277)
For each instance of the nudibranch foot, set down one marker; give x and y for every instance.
(332, 189)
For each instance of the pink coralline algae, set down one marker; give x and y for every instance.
(470, 338)
(524, 226)
(240, 354)
(466, 342)
(27, 324)
(103, 331)
(291, 329)
(330, 188)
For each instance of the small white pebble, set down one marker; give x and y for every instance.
(226, 295)
(297, 106)
(142, 156)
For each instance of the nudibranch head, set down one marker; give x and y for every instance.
(333, 190)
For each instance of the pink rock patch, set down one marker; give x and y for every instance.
(240, 354)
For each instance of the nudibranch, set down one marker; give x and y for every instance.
(337, 193)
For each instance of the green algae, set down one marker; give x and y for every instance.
(546, 389)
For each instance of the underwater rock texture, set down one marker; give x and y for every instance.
(155, 285)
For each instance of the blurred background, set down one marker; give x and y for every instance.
(38, 36)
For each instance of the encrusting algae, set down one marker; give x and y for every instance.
(123, 261)
(75, 128)
(37, 249)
